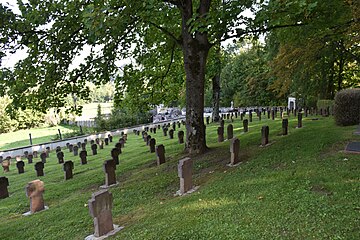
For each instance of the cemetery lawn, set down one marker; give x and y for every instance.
(302, 186)
(39, 135)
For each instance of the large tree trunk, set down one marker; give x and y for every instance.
(195, 47)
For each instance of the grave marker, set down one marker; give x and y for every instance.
(181, 137)
(109, 167)
(235, 151)
(264, 135)
(160, 154)
(230, 131)
(68, 167)
(60, 157)
(39, 168)
(152, 143)
(83, 155)
(20, 166)
(220, 132)
(4, 183)
(34, 191)
(185, 168)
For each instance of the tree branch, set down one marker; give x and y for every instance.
(167, 32)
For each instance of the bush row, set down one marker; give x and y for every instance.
(347, 107)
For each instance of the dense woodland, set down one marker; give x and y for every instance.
(311, 50)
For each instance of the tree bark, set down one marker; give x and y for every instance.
(195, 47)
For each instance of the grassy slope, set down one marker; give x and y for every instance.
(300, 187)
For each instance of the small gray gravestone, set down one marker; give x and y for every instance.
(145, 136)
(71, 148)
(58, 149)
(39, 168)
(230, 131)
(100, 206)
(76, 150)
(152, 144)
(68, 167)
(246, 125)
(125, 137)
(83, 155)
(272, 114)
(35, 154)
(20, 166)
(6, 164)
(220, 133)
(97, 141)
(106, 140)
(30, 158)
(235, 151)
(4, 183)
(115, 155)
(34, 191)
(148, 138)
(154, 130)
(160, 154)
(185, 168)
(94, 149)
(285, 126)
(109, 167)
(181, 137)
(60, 157)
(259, 116)
(264, 135)
(299, 125)
(43, 156)
(179, 124)
(174, 126)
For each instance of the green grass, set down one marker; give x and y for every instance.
(90, 109)
(302, 186)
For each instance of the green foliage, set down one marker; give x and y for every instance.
(121, 118)
(347, 107)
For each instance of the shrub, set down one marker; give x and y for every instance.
(347, 107)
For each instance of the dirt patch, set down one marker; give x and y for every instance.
(320, 190)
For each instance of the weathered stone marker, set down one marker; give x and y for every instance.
(165, 131)
(109, 170)
(110, 138)
(222, 123)
(122, 142)
(220, 133)
(235, 151)
(43, 156)
(34, 190)
(100, 206)
(83, 146)
(106, 140)
(115, 155)
(58, 149)
(285, 126)
(118, 146)
(185, 168)
(6, 165)
(230, 131)
(4, 183)
(76, 150)
(20, 166)
(83, 155)
(101, 144)
(250, 116)
(94, 149)
(160, 154)
(68, 167)
(246, 125)
(148, 138)
(60, 157)
(152, 144)
(35, 154)
(47, 151)
(181, 137)
(30, 158)
(299, 125)
(39, 168)
(171, 133)
(71, 148)
(264, 135)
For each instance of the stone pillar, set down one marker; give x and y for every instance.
(43, 157)
(171, 133)
(250, 116)
(185, 168)
(264, 135)
(76, 150)
(34, 190)
(235, 151)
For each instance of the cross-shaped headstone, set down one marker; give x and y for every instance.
(60, 157)
(68, 167)
(20, 166)
(83, 155)
(109, 167)
(39, 168)
(34, 191)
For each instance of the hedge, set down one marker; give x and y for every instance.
(347, 107)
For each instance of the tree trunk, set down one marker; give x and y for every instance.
(216, 97)
(195, 47)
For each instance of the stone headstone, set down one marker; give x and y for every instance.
(60, 157)
(171, 133)
(220, 133)
(94, 149)
(6, 164)
(160, 154)
(250, 116)
(235, 151)
(115, 155)
(285, 126)
(106, 140)
(154, 130)
(39, 168)
(181, 137)
(222, 123)
(79, 144)
(97, 141)
(122, 142)
(30, 158)
(246, 125)
(43, 157)
(34, 191)
(4, 183)
(92, 142)
(83, 146)
(68, 167)
(76, 150)
(110, 138)
(118, 146)
(165, 131)
(299, 125)
(230, 131)
(35, 154)
(71, 148)
(26, 153)
(101, 144)
(152, 144)
(47, 151)
(58, 149)
(100, 206)
(185, 168)
(109, 167)
(83, 155)
(264, 135)
(20, 166)
(85, 141)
